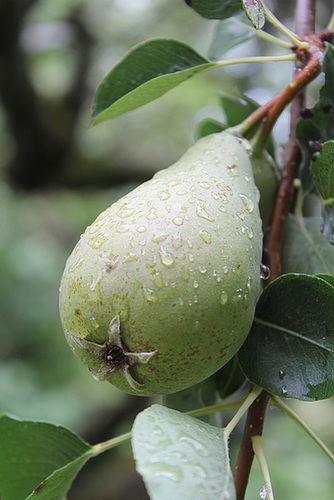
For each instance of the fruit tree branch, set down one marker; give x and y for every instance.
(305, 13)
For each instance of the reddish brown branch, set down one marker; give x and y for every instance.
(253, 427)
(305, 11)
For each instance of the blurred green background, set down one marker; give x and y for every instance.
(57, 175)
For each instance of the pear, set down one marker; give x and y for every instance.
(160, 291)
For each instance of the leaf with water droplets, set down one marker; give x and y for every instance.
(290, 349)
(181, 457)
(255, 13)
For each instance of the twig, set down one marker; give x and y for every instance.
(305, 10)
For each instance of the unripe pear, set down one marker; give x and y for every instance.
(160, 291)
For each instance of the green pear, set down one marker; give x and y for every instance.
(160, 291)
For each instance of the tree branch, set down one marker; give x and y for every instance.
(305, 13)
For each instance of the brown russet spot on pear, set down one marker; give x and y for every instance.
(167, 278)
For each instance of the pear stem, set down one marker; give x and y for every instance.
(295, 39)
(282, 406)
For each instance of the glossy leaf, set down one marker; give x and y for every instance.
(305, 250)
(147, 72)
(290, 349)
(254, 12)
(181, 457)
(327, 277)
(215, 9)
(38, 459)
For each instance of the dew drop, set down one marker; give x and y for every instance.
(150, 295)
(248, 203)
(249, 232)
(223, 297)
(201, 212)
(205, 235)
(95, 323)
(166, 258)
(130, 257)
(204, 185)
(233, 170)
(241, 215)
(141, 229)
(158, 280)
(239, 294)
(263, 492)
(265, 272)
(164, 195)
(225, 269)
(158, 237)
(177, 240)
(281, 374)
(202, 269)
(191, 258)
(122, 228)
(178, 221)
(284, 391)
(196, 284)
(97, 242)
(124, 212)
(152, 214)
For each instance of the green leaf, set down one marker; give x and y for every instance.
(38, 457)
(305, 250)
(317, 124)
(229, 378)
(322, 168)
(290, 349)
(181, 457)
(198, 396)
(209, 126)
(254, 12)
(328, 222)
(147, 72)
(329, 278)
(215, 9)
(228, 34)
(236, 109)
